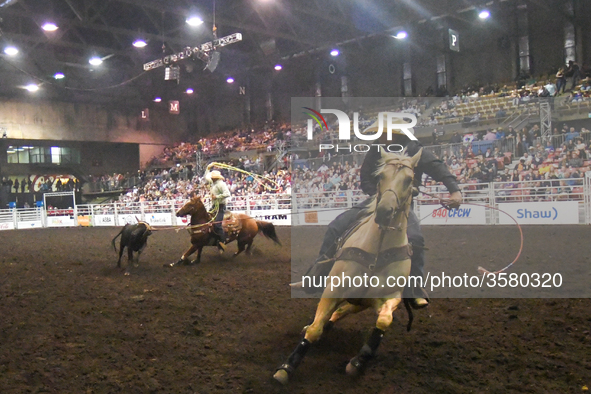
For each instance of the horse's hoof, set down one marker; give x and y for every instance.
(126, 274)
(281, 376)
(194, 262)
(354, 367)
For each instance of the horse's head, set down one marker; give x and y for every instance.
(395, 174)
(191, 207)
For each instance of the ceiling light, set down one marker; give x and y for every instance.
(157, 100)
(49, 26)
(95, 61)
(194, 21)
(334, 52)
(59, 76)
(401, 35)
(230, 80)
(139, 43)
(484, 14)
(10, 50)
(32, 87)
(189, 91)
(278, 67)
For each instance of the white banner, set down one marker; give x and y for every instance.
(279, 217)
(103, 220)
(437, 215)
(122, 220)
(29, 224)
(319, 217)
(61, 221)
(159, 219)
(7, 226)
(559, 212)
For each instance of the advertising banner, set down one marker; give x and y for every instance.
(84, 220)
(29, 224)
(7, 226)
(318, 217)
(559, 212)
(279, 217)
(104, 220)
(437, 215)
(122, 220)
(159, 219)
(61, 221)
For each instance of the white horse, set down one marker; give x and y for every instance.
(377, 247)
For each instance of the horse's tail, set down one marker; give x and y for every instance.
(116, 236)
(268, 230)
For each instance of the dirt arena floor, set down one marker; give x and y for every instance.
(71, 322)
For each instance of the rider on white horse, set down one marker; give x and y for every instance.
(428, 164)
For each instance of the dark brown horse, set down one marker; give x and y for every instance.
(241, 228)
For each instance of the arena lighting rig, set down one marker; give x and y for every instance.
(205, 52)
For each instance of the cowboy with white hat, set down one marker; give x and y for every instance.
(219, 196)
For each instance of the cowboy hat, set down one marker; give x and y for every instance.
(376, 125)
(215, 174)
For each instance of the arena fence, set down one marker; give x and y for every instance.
(561, 201)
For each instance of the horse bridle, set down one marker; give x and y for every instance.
(399, 203)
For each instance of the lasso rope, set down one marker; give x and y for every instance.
(255, 176)
(481, 270)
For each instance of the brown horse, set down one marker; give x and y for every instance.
(240, 227)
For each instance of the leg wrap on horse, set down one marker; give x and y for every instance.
(368, 351)
(296, 357)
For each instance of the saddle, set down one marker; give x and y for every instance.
(231, 224)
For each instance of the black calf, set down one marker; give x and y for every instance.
(134, 237)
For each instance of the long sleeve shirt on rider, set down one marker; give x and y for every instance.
(219, 190)
(428, 164)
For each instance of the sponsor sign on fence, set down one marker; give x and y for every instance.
(104, 220)
(7, 226)
(318, 217)
(467, 214)
(29, 224)
(122, 220)
(279, 217)
(61, 221)
(159, 219)
(560, 212)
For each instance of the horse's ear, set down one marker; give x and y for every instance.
(415, 159)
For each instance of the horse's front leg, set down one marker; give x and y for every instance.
(325, 309)
(368, 351)
(184, 257)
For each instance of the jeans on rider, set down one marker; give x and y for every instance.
(340, 225)
(217, 226)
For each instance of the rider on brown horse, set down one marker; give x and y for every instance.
(219, 195)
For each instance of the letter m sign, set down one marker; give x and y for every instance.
(173, 107)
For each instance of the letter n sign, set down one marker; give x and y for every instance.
(454, 40)
(174, 108)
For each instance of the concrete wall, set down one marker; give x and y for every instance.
(38, 120)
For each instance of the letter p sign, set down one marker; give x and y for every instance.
(454, 40)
